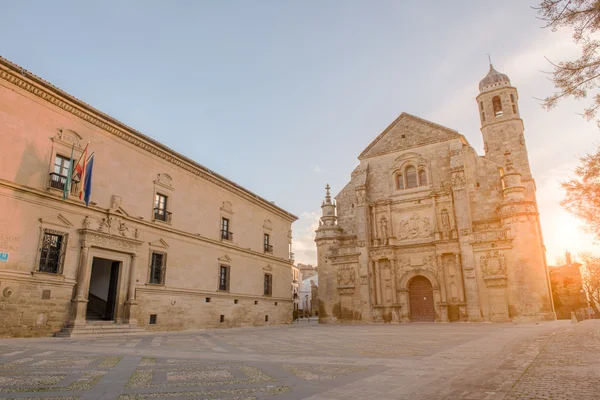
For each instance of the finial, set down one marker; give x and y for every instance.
(490, 60)
(327, 195)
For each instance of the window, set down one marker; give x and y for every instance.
(497, 105)
(268, 284)
(482, 111)
(422, 177)
(58, 177)
(400, 182)
(160, 208)
(157, 268)
(152, 319)
(411, 177)
(514, 104)
(224, 277)
(225, 234)
(268, 247)
(52, 252)
(62, 165)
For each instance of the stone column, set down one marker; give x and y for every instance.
(378, 293)
(131, 303)
(79, 303)
(394, 288)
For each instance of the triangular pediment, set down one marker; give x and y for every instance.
(120, 211)
(408, 132)
(159, 243)
(268, 268)
(57, 220)
(225, 258)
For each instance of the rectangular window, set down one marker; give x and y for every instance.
(268, 284)
(58, 177)
(225, 234)
(62, 165)
(51, 256)
(160, 208)
(152, 319)
(268, 247)
(157, 268)
(224, 277)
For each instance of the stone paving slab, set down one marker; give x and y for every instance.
(554, 360)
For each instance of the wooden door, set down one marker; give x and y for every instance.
(420, 297)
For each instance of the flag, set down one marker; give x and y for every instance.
(79, 170)
(67, 187)
(87, 184)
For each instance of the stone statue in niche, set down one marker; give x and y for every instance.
(122, 228)
(445, 218)
(383, 225)
(453, 291)
(451, 268)
(388, 294)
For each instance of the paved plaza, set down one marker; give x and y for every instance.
(553, 360)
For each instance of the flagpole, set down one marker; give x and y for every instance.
(67, 188)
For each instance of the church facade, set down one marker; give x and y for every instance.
(428, 230)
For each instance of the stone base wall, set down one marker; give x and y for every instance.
(32, 309)
(192, 311)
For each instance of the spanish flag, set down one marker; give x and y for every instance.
(80, 170)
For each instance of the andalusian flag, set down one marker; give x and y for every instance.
(67, 187)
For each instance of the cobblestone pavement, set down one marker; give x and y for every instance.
(554, 360)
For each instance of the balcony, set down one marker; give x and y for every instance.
(59, 181)
(268, 248)
(161, 214)
(226, 235)
(292, 257)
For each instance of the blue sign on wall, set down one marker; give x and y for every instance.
(3, 257)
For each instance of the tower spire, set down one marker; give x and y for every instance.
(327, 195)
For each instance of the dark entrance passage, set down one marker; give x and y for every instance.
(420, 297)
(102, 297)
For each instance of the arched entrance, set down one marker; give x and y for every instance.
(420, 298)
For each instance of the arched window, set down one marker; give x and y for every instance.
(482, 111)
(411, 177)
(514, 105)
(422, 177)
(497, 104)
(400, 182)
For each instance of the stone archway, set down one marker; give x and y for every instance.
(420, 298)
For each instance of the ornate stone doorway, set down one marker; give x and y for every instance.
(102, 295)
(420, 298)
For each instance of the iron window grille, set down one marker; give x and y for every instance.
(224, 277)
(52, 252)
(157, 268)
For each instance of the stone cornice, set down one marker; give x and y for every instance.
(205, 293)
(148, 224)
(35, 85)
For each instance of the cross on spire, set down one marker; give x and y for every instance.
(490, 60)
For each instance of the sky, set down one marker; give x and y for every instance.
(282, 96)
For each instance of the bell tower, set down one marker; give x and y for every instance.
(501, 124)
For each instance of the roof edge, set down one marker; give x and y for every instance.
(18, 70)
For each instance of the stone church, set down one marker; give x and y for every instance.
(428, 230)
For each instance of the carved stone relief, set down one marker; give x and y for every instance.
(493, 263)
(415, 227)
(458, 180)
(110, 225)
(346, 276)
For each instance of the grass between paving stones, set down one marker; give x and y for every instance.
(143, 378)
(331, 372)
(87, 381)
(272, 390)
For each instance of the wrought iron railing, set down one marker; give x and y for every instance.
(161, 214)
(226, 235)
(58, 181)
(268, 248)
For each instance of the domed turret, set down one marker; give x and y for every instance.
(493, 80)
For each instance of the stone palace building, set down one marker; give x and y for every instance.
(428, 230)
(165, 243)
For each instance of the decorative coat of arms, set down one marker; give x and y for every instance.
(493, 263)
(346, 276)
